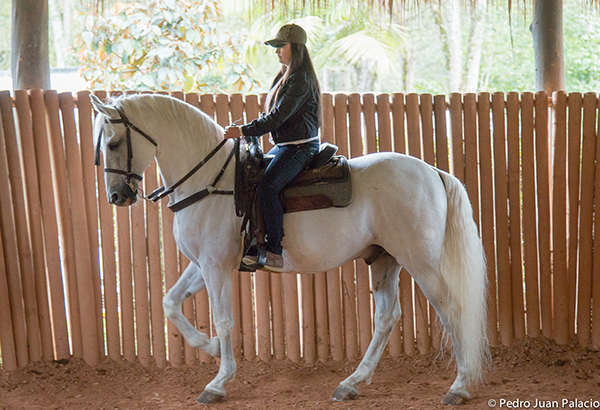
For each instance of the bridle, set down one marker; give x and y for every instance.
(128, 126)
(162, 192)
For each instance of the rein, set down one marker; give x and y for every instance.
(162, 192)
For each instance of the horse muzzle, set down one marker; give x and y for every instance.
(123, 196)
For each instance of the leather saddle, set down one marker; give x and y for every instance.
(325, 183)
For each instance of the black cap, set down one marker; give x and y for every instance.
(290, 33)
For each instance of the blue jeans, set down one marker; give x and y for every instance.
(289, 161)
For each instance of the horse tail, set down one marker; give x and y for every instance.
(463, 266)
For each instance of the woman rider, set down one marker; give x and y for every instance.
(292, 116)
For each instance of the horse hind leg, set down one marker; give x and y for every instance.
(385, 273)
(190, 283)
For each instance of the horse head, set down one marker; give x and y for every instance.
(125, 154)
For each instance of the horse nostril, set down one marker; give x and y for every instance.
(115, 198)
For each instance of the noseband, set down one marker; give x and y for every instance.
(128, 126)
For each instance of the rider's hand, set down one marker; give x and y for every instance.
(233, 131)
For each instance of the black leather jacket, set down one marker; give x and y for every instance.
(295, 116)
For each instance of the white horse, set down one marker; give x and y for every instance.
(419, 215)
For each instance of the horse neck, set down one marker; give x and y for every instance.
(184, 137)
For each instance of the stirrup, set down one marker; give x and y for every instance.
(255, 258)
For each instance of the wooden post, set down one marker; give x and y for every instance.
(596, 261)
(140, 277)
(502, 244)
(59, 337)
(456, 122)
(514, 203)
(530, 244)
(308, 319)
(65, 220)
(471, 157)
(8, 351)
(575, 101)
(441, 135)
(384, 125)
(487, 211)
(85, 283)
(543, 197)
(277, 312)
(170, 262)
(559, 222)
(398, 123)
(9, 239)
(586, 220)
(87, 148)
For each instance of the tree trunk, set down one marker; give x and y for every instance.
(475, 46)
(30, 66)
(547, 31)
(447, 16)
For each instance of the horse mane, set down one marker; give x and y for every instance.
(181, 119)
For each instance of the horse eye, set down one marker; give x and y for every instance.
(113, 146)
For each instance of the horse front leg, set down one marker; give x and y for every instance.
(219, 286)
(188, 284)
(385, 273)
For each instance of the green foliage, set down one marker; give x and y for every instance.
(162, 45)
(5, 30)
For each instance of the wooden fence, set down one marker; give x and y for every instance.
(80, 277)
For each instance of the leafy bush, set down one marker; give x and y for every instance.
(161, 46)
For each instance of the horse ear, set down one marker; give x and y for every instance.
(102, 108)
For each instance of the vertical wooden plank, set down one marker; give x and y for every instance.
(84, 115)
(207, 104)
(502, 244)
(543, 198)
(586, 220)
(261, 278)
(320, 280)
(413, 125)
(426, 108)
(559, 222)
(441, 133)
(514, 203)
(85, 285)
(530, 245)
(596, 261)
(8, 352)
(201, 302)
(157, 315)
(335, 296)
(471, 160)
(384, 124)
(398, 123)
(575, 101)
(59, 337)
(125, 284)
(415, 148)
(309, 348)
(140, 278)
(170, 259)
(26, 262)
(352, 293)
(65, 220)
(292, 324)
(456, 121)
(190, 354)
(363, 282)
(277, 312)
(109, 270)
(9, 236)
(427, 116)
(406, 298)
(487, 211)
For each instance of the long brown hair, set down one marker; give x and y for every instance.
(300, 62)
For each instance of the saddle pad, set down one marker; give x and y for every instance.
(319, 188)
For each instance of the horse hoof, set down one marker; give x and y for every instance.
(209, 397)
(343, 393)
(454, 399)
